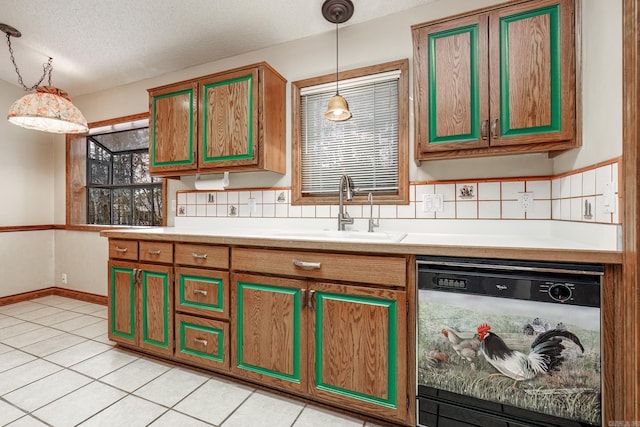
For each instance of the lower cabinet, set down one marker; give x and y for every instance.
(141, 306)
(341, 344)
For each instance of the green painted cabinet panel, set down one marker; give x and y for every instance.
(122, 302)
(156, 308)
(496, 82)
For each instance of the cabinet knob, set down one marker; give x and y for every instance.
(494, 129)
(484, 129)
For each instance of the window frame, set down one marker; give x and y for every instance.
(402, 196)
(76, 178)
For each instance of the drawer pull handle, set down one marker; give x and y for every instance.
(200, 291)
(200, 341)
(123, 250)
(198, 256)
(306, 265)
(151, 252)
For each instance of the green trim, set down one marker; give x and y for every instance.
(205, 139)
(187, 161)
(132, 311)
(556, 70)
(392, 381)
(474, 89)
(297, 318)
(218, 357)
(211, 307)
(165, 303)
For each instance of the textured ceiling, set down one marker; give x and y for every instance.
(98, 44)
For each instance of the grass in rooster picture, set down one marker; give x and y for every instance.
(501, 350)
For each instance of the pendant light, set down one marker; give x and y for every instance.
(48, 109)
(337, 12)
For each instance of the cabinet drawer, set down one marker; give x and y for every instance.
(202, 342)
(123, 249)
(202, 255)
(156, 252)
(386, 271)
(202, 292)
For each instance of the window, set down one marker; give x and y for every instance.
(108, 181)
(120, 190)
(371, 147)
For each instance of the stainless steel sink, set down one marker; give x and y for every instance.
(342, 236)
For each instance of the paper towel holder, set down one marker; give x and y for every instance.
(212, 184)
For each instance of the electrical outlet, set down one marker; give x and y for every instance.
(432, 203)
(63, 278)
(525, 201)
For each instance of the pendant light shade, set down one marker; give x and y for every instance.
(338, 109)
(337, 12)
(49, 109)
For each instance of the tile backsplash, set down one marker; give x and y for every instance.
(587, 195)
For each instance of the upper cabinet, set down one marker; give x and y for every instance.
(499, 81)
(229, 121)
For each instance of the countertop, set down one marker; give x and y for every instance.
(531, 247)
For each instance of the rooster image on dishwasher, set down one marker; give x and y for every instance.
(536, 356)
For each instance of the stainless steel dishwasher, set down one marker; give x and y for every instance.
(508, 343)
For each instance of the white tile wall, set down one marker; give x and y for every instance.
(562, 198)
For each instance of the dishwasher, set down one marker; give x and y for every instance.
(508, 343)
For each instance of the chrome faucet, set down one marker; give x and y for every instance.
(372, 223)
(345, 191)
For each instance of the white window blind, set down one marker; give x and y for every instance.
(364, 147)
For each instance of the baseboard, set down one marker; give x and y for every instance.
(54, 290)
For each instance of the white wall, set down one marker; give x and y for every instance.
(32, 165)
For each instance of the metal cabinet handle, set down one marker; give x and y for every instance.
(137, 275)
(306, 265)
(200, 291)
(484, 129)
(312, 299)
(200, 341)
(151, 252)
(123, 250)
(198, 256)
(494, 129)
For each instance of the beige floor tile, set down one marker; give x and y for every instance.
(104, 338)
(31, 337)
(104, 363)
(46, 390)
(80, 405)
(25, 374)
(41, 312)
(172, 386)
(56, 318)
(77, 353)
(88, 308)
(76, 323)
(19, 307)
(313, 417)
(173, 419)
(7, 321)
(13, 358)
(214, 401)
(130, 411)
(265, 409)
(9, 413)
(52, 300)
(92, 331)
(26, 421)
(70, 304)
(52, 345)
(17, 329)
(5, 348)
(135, 374)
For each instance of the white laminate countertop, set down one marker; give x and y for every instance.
(540, 242)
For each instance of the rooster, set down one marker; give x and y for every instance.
(545, 355)
(467, 348)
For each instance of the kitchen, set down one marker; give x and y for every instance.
(35, 166)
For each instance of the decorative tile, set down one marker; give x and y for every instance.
(467, 191)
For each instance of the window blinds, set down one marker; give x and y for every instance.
(364, 147)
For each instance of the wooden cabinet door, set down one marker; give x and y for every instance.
(173, 129)
(122, 302)
(228, 119)
(268, 342)
(451, 85)
(357, 348)
(156, 309)
(532, 69)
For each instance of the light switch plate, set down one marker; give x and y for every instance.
(432, 203)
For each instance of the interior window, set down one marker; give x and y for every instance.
(371, 147)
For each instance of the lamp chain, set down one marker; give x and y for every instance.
(337, 92)
(47, 68)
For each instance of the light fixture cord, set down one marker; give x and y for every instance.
(47, 68)
(337, 92)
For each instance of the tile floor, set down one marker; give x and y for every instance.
(58, 368)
